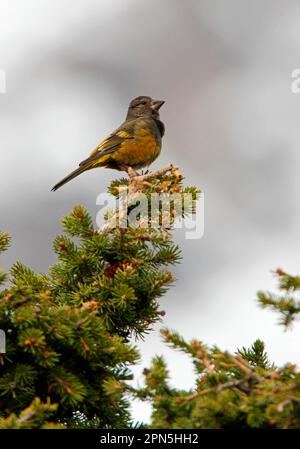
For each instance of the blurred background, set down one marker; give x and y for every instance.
(232, 126)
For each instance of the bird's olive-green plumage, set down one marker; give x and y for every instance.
(136, 143)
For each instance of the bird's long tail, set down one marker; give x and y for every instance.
(72, 175)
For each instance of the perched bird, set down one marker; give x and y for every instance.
(135, 144)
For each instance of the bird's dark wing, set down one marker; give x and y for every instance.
(111, 143)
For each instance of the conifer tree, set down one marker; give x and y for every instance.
(241, 390)
(68, 332)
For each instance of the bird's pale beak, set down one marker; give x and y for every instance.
(156, 104)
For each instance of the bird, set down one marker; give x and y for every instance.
(132, 146)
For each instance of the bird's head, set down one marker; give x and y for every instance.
(144, 107)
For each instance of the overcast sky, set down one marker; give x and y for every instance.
(232, 126)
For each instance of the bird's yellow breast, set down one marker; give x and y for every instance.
(138, 152)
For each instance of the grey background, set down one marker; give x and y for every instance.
(224, 69)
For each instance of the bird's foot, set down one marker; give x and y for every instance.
(132, 173)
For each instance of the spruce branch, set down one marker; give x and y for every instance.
(287, 304)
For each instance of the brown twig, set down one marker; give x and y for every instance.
(218, 388)
(154, 174)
